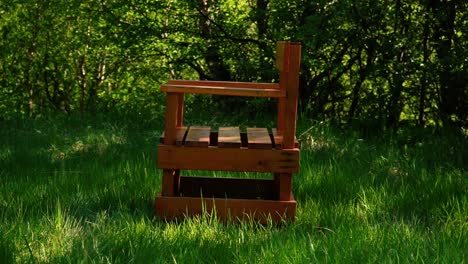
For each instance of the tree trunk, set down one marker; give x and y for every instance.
(451, 83)
(216, 67)
(394, 106)
(363, 70)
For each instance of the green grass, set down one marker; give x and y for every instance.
(82, 190)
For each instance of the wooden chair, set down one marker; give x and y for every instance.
(256, 150)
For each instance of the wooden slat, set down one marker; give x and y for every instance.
(228, 159)
(177, 208)
(180, 134)
(198, 136)
(279, 139)
(227, 188)
(226, 84)
(180, 110)
(229, 137)
(258, 138)
(176, 88)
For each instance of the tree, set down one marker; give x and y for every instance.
(382, 62)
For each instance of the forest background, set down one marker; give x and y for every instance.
(383, 127)
(378, 64)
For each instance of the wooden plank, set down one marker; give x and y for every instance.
(170, 118)
(228, 159)
(258, 138)
(226, 84)
(168, 182)
(280, 113)
(180, 110)
(229, 137)
(227, 210)
(198, 136)
(281, 55)
(283, 186)
(169, 176)
(180, 134)
(176, 88)
(278, 137)
(227, 188)
(291, 84)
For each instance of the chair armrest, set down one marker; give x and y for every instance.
(224, 88)
(254, 85)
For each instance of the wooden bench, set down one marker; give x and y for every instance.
(230, 149)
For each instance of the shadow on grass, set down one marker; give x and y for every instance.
(6, 251)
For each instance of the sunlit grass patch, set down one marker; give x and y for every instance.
(57, 235)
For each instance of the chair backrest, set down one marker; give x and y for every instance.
(288, 55)
(288, 61)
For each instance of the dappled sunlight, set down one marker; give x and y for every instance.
(314, 138)
(90, 143)
(5, 154)
(464, 131)
(310, 142)
(56, 154)
(56, 238)
(79, 146)
(395, 171)
(388, 166)
(371, 205)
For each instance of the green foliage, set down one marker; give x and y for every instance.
(388, 61)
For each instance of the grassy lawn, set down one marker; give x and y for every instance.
(82, 190)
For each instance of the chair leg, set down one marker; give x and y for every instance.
(283, 186)
(169, 176)
(168, 180)
(171, 183)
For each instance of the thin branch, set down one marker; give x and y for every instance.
(226, 34)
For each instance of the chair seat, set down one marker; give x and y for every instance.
(229, 137)
(200, 148)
